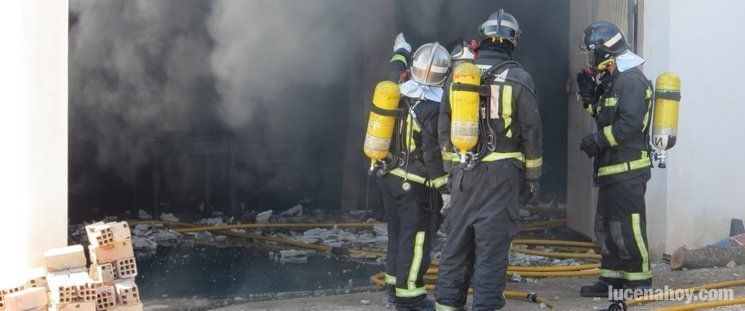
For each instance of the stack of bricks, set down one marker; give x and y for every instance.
(113, 266)
(66, 284)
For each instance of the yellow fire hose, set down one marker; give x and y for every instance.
(379, 279)
(696, 306)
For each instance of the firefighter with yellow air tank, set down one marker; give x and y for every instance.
(402, 145)
(620, 98)
(489, 114)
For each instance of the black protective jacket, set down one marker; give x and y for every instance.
(623, 116)
(515, 121)
(415, 147)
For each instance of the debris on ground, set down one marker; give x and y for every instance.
(168, 217)
(142, 214)
(263, 217)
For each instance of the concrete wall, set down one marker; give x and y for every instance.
(692, 202)
(33, 131)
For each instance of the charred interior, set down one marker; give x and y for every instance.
(157, 86)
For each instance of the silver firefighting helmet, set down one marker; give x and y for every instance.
(500, 25)
(431, 64)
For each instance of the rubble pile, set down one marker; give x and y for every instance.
(66, 283)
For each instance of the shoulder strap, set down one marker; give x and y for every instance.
(494, 69)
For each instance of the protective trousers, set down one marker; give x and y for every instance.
(620, 227)
(485, 218)
(411, 217)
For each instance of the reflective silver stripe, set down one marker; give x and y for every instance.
(613, 40)
(493, 22)
(422, 66)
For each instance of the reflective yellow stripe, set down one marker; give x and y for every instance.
(649, 108)
(638, 276)
(626, 166)
(390, 279)
(410, 177)
(606, 273)
(450, 156)
(507, 107)
(636, 226)
(533, 163)
(611, 102)
(436, 183)
(411, 126)
(440, 307)
(416, 261)
(608, 132)
(398, 58)
(439, 181)
(496, 156)
(403, 292)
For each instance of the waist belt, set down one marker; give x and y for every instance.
(625, 166)
(436, 183)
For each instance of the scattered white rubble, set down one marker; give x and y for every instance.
(296, 210)
(139, 242)
(364, 302)
(215, 221)
(142, 214)
(164, 235)
(524, 213)
(263, 217)
(168, 217)
(293, 256)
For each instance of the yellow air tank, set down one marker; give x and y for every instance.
(464, 104)
(380, 126)
(665, 125)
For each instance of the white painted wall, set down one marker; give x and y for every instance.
(704, 187)
(33, 132)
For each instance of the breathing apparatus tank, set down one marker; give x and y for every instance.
(665, 125)
(464, 104)
(381, 122)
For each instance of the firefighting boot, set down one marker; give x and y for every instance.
(391, 291)
(601, 287)
(418, 304)
(641, 284)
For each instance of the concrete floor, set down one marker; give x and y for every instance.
(562, 291)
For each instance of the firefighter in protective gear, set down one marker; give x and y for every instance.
(485, 192)
(620, 100)
(412, 180)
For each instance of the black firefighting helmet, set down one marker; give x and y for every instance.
(604, 41)
(500, 25)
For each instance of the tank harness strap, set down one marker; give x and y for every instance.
(397, 113)
(483, 90)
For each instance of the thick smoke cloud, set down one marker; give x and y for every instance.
(273, 62)
(137, 67)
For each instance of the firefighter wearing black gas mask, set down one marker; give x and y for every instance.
(487, 182)
(618, 95)
(413, 182)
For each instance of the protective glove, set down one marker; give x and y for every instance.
(400, 43)
(590, 145)
(587, 88)
(445, 204)
(529, 191)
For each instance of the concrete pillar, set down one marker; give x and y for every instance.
(33, 132)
